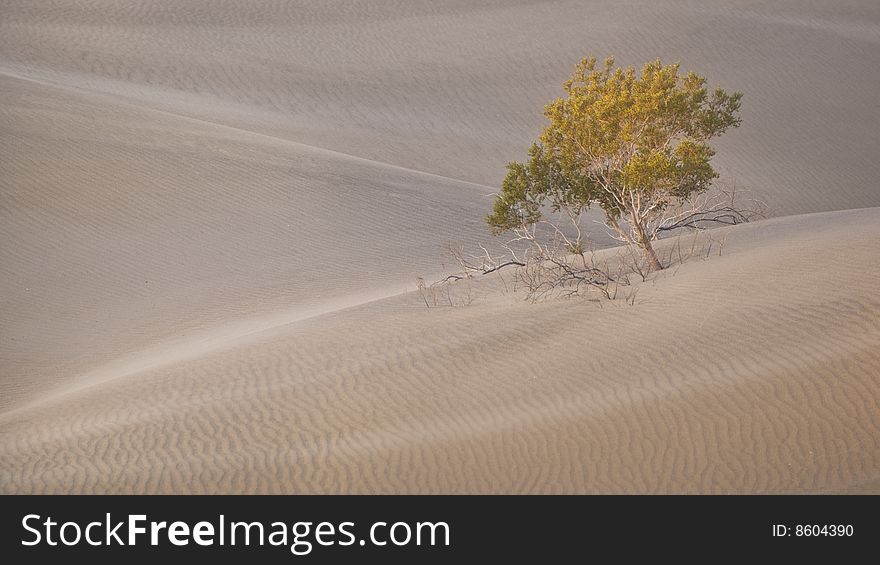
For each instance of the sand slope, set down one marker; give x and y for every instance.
(456, 87)
(755, 371)
(123, 227)
(210, 212)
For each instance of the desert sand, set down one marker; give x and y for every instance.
(213, 214)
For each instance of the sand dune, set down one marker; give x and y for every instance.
(755, 371)
(125, 227)
(211, 214)
(456, 87)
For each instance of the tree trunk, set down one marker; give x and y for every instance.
(651, 255)
(645, 243)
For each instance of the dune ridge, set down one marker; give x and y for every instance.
(731, 378)
(455, 88)
(157, 252)
(213, 213)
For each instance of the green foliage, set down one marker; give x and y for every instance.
(527, 186)
(630, 143)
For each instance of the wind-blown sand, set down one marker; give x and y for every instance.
(211, 214)
(755, 371)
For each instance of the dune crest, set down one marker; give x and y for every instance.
(212, 213)
(755, 371)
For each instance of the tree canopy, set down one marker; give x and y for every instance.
(631, 143)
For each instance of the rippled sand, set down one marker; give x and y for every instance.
(212, 215)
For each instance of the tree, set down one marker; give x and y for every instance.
(635, 145)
